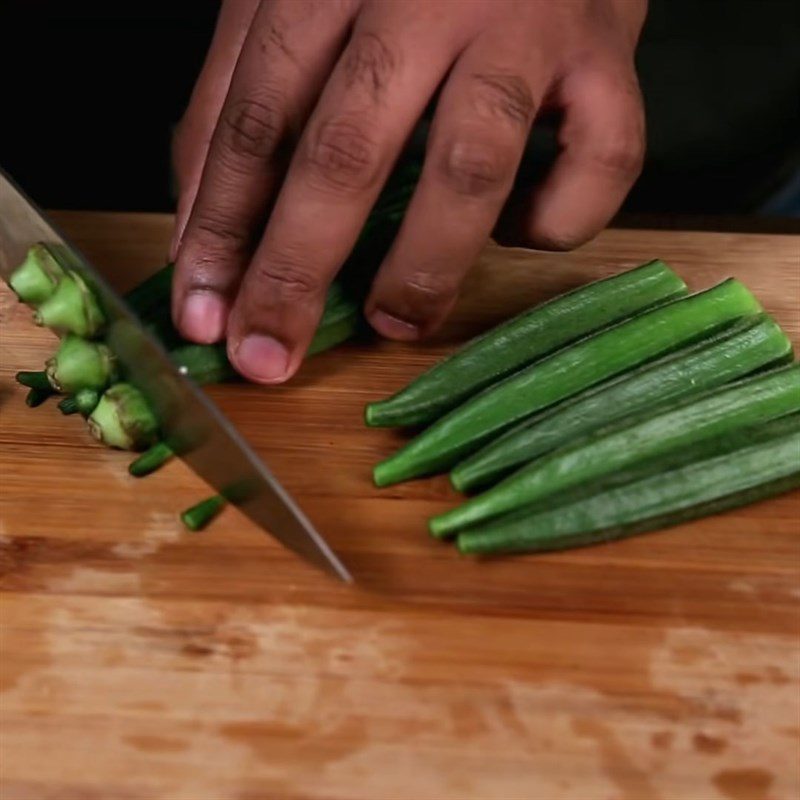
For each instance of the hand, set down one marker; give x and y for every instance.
(301, 111)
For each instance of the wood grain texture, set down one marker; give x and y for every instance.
(143, 662)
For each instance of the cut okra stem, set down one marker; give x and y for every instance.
(151, 460)
(197, 517)
(34, 380)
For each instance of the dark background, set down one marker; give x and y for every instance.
(91, 92)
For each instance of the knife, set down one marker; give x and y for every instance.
(190, 423)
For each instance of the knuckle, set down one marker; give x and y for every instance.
(503, 96)
(477, 168)
(369, 63)
(276, 38)
(556, 238)
(286, 276)
(620, 150)
(421, 297)
(215, 226)
(623, 157)
(252, 128)
(342, 157)
(430, 290)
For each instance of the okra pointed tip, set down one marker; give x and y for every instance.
(381, 475)
(374, 416)
(460, 480)
(438, 527)
(392, 470)
(451, 522)
(464, 544)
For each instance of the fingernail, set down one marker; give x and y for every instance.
(393, 327)
(262, 359)
(203, 317)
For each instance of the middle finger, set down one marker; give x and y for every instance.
(379, 88)
(290, 47)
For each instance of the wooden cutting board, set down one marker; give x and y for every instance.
(141, 662)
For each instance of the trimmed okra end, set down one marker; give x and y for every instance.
(150, 460)
(198, 516)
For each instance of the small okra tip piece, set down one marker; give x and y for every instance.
(198, 516)
(151, 460)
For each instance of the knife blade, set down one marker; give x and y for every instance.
(191, 424)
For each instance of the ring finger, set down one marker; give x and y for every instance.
(479, 131)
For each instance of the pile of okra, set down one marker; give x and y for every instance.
(624, 406)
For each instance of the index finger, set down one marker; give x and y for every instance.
(195, 130)
(288, 52)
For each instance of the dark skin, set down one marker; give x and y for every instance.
(301, 110)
